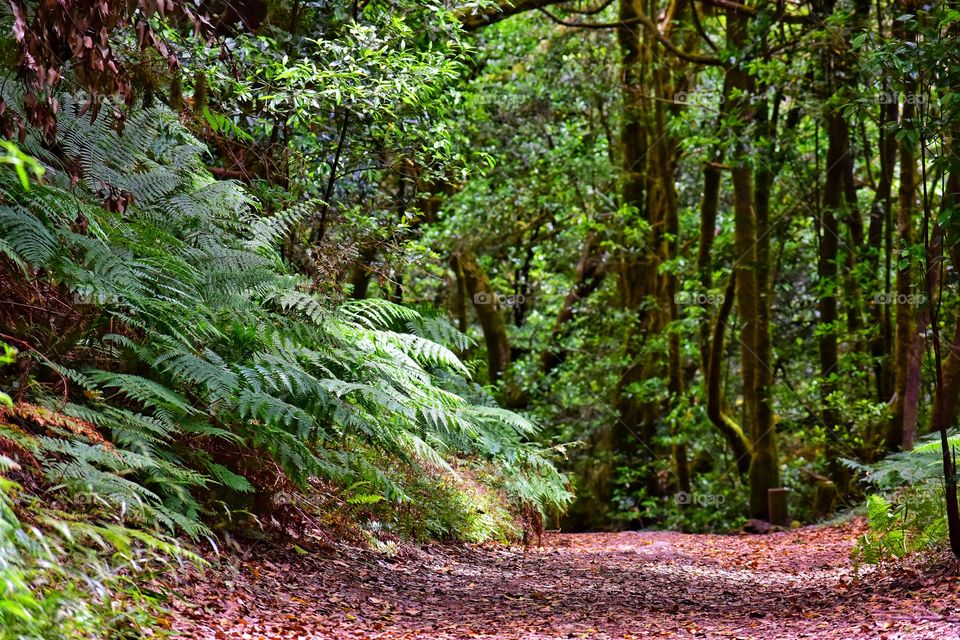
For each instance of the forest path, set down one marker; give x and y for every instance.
(796, 584)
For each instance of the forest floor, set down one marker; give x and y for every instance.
(797, 584)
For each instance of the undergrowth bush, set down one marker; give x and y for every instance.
(907, 512)
(66, 578)
(464, 506)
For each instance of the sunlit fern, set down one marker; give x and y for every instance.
(217, 342)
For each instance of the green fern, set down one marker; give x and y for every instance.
(215, 343)
(908, 513)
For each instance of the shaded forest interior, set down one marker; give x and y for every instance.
(422, 270)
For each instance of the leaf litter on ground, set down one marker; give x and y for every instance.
(795, 584)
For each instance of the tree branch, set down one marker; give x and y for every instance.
(593, 11)
(730, 4)
(476, 19)
(650, 25)
(473, 20)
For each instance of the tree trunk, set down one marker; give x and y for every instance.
(765, 469)
(732, 432)
(489, 314)
(362, 272)
(669, 249)
(754, 338)
(880, 240)
(709, 205)
(903, 426)
(712, 338)
(634, 429)
(839, 173)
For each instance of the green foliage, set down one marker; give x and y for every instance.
(886, 538)
(185, 344)
(908, 514)
(63, 579)
(388, 78)
(196, 365)
(919, 466)
(7, 357)
(216, 348)
(24, 165)
(471, 505)
(60, 576)
(912, 521)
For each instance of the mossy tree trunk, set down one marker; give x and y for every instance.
(751, 251)
(489, 314)
(903, 426)
(633, 430)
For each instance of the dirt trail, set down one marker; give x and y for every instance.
(620, 585)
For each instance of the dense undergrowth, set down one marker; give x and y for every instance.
(905, 509)
(173, 376)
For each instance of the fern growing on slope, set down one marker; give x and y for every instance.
(194, 360)
(57, 582)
